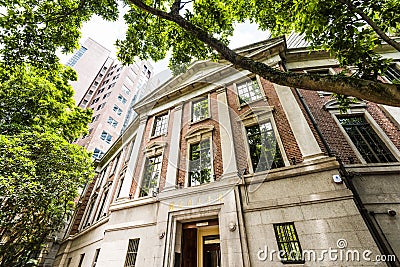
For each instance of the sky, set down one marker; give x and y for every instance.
(106, 33)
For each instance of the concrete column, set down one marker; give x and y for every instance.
(128, 180)
(174, 149)
(227, 145)
(302, 132)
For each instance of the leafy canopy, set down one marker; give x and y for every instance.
(40, 171)
(200, 29)
(32, 99)
(350, 30)
(40, 174)
(328, 25)
(32, 31)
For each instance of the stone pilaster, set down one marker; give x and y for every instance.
(128, 180)
(302, 132)
(174, 149)
(227, 145)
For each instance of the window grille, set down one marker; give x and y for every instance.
(288, 243)
(367, 142)
(160, 125)
(151, 174)
(249, 91)
(131, 254)
(200, 109)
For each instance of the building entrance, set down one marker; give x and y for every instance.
(201, 244)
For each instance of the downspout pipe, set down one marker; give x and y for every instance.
(348, 182)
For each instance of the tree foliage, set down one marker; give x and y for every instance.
(336, 26)
(32, 31)
(200, 29)
(350, 31)
(40, 171)
(39, 177)
(34, 99)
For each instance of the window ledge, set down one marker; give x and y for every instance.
(96, 224)
(199, 185)
(129, 203)
(263, 98)
(318, 165)
(201, 120)
(374, 168)
(160, 135)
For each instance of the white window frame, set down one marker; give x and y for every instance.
(197, 99)
(87, 218)
(152, 150)
(105, 139)
(256, 116)
(245, 79)
(119, 109)
(113, 122)
(195, 136)
(125, 88)
(154, 120)
(122, 99)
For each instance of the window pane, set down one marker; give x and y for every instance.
(106, 137)
(367, 142)
(122, 99)
(72, 61)
(112, 121)
(264, 150)
(96, 257)
(117, 110)
(152, 170)
(249, 91)
(81, 260)
(200, 163)
(200, 110)
(97, 154)
(160, 125)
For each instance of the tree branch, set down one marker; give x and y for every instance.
(176, 6)
(371, 23)
(374, 91)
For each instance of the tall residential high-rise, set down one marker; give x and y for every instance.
(107, 87)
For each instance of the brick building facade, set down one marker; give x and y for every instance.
(222, 167)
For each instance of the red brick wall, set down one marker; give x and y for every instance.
(391, 130)
(146, 141)
(216, 139)
(290, 145)
(285, 132)
(308, 119)
(82, 207)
